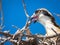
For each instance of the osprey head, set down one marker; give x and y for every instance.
(39, 13)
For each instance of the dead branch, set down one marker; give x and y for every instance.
(6, 34)
(2, 16)
(34, 36)
(26, 13)
(15, 41)
(25, 28)
(42, 37)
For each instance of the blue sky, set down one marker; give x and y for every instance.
(14, 13)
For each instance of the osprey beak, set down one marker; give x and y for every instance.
(34, 18)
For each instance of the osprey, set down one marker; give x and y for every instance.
(44, 17)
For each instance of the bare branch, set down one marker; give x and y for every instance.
(9, 37)
(6, 34)
(38, 36)
(26, 13)
(2, 16)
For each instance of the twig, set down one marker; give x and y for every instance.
(26, 13)
(2, 16)
(27, 22)
(6, 34)
(34, 36)
(41, 37)
(9, 37)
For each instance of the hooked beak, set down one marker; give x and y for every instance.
(34, 18)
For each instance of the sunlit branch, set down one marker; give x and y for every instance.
(24, 5)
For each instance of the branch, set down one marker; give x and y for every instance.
(42, 37)
(34, 36)
(2, 16)
(6, 34)
(15, 41)
(26, 13)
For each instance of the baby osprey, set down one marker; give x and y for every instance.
(44, 17)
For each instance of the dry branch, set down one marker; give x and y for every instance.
(34, 36)
(15, 41)
(2, 16)
(26, 13)
(6, 34)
